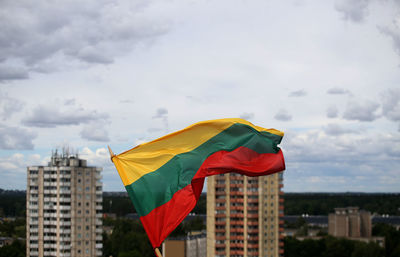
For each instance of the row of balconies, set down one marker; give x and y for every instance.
(65, 223)
(50, 199)
(49, 238)
(50, 230)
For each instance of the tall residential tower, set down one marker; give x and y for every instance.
(243, 215)
(64, 208)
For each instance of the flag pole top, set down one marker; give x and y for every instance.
(111, 153)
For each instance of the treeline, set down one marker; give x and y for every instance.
(12, 203)
(324, 203)
(129, 239)
(120, 204)
(329, 246)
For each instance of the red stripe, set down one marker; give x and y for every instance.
(161, 221)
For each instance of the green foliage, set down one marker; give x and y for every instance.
(120, 205)
(13, 228)
(128, 239)
(324, 203)
(331, 247)
(12, 203)
(392, 238)
(16, 249)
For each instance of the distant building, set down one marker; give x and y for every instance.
(350, 222)
(6, 241)
(190, 246)
(64, 209)
(244, 215)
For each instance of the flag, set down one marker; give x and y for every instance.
(164, 178)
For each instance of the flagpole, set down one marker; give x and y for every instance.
(158, 252)
(111, 153)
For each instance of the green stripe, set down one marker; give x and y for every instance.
(158, 187)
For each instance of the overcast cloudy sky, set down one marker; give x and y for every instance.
(120, 72)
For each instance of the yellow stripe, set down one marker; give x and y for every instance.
(150, 156)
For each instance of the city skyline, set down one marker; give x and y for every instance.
(119, 73)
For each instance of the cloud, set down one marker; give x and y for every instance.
(71, 101)
(9, 106)
(283, 115)
(393, 31)
(332, 111)
(298, 93)
(338, 91)
(353, 10)
(342, 146)
(95, 132)
(365, 111)
(162, 113)
(45, 35)
(12, 73)
(391, 104)
(51, 116)
(247, 115)
(335, 130)
(14, 138)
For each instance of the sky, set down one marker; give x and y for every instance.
(87, 74)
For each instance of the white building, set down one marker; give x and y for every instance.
(64, 208)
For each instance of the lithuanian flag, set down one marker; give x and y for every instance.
(164, 178)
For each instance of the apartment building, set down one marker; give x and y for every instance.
(244, 215)
(64, 208)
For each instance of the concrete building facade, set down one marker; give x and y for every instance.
(350, 222)
(64, 208)
(244, 215)
(189, 246)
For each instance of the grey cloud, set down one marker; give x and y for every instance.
(365, 111)
(353, 10)
(283, 115)
(95, 132)
(71, 101)
(336, 130)
(352, 147)
(152, 130)
(332, 111)
(298, 93)
(12, 73)
(391, 104)
(338, 91)
(126, 101)
(45, 35)
(51, 116)
(13, 138)
(9, 106)
(161, 112)
(93, 55)
(393, 32)
(247, 115)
